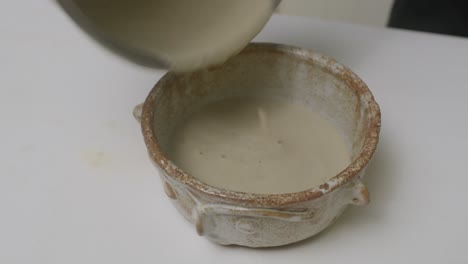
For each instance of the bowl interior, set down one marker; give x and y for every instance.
(274, 71)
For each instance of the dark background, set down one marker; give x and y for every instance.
(437, 16)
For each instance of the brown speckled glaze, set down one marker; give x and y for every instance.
(262, 69)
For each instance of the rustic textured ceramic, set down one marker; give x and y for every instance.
(264, 220)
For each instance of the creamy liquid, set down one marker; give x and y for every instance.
(258, 145)
(188, 34)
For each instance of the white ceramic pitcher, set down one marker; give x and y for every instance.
(144, 31)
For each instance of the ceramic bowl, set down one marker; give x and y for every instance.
(265, 220)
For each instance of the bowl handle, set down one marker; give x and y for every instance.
(137, 111)
(359, 193)
(204, 216)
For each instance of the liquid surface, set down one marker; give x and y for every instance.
(188, 34)
(258, 145)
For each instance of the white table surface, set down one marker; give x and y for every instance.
(76, 185)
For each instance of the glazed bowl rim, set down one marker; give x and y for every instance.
(339, 71)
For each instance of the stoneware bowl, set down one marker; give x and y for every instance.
(265, 220)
